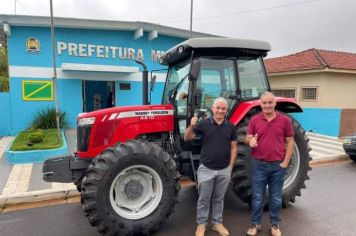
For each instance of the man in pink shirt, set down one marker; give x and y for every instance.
(270, 135)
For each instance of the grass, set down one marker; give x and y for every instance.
(49, 141)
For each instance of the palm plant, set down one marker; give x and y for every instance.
(46, 119)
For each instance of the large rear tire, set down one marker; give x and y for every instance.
(353, 157)
(297, 172)
(130, 188)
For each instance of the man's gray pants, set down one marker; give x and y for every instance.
(212, 186)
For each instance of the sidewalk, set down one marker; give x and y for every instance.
(22, 183)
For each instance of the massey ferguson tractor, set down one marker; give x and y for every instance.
(129, 160)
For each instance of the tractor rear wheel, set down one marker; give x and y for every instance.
(130, 188)
(296, 175)
(353, 157)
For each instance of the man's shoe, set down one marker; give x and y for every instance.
(220, 228)
(254, 229)
(275, 231)
(200, 230)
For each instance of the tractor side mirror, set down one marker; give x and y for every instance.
(152, 83)
(195, 70)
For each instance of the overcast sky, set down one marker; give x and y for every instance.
(289, 25)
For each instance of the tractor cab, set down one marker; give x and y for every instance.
(202, 69)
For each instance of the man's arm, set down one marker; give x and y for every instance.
(289, 152)
(233, 154)
(189, 133)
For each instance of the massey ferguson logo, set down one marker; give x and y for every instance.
(150, 113)
(143, 115)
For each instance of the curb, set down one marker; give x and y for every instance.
(329, 160)
(323, 136)
(37, 196)
(50, 194)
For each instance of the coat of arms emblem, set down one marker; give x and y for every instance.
(33, 45)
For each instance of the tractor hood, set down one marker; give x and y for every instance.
(99, 129)
(125, 111)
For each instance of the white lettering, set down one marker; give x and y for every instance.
(83, 50)
(131, 53)
(140, 55)
(113, 52)
(60, 47)
(91, 49)
(155, 55)
(72, 49)
(107, 52)
(122, 53)
(100, 51)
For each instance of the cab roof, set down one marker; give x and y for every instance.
(214, 47)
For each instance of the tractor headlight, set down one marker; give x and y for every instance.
(86, 121)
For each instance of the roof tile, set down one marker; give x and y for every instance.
(312, 59)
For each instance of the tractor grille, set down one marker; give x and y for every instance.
(83, 136)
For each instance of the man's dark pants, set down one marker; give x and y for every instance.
(263, 174)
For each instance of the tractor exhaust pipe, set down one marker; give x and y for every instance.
(144, 82)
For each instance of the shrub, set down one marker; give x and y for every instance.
(46, 119)
(4, 84)
(36, 137)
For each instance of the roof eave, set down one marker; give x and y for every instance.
(328, 70)
(44, 21)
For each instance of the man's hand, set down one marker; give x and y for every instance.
(182, 96)
(194, 120)
(189, 134)
(253, 141)
(284, 165)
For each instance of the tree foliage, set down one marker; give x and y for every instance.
(4, 71)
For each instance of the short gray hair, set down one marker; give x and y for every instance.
(219, 99)
(267, 93)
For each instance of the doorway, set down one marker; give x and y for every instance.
(98, 95)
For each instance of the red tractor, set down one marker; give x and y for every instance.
(130, 159)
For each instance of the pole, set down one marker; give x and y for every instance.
(54, 78)
(144, 82)
(191, 18)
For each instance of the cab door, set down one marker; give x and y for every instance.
(217, 78)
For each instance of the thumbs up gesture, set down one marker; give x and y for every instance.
(253, 141)
(194, 119)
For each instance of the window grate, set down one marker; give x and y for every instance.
(309, 94)
(287, 93)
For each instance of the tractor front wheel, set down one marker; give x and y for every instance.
(130, 188)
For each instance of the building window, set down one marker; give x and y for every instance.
(309, 94)
(287, 93)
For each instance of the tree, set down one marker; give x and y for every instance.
(4, 70)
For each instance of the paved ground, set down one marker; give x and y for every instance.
(23, 182)
(326, 208)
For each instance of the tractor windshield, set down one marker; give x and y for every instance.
(176, 80)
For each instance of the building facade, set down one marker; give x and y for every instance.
(323, 83)
(95, 62)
